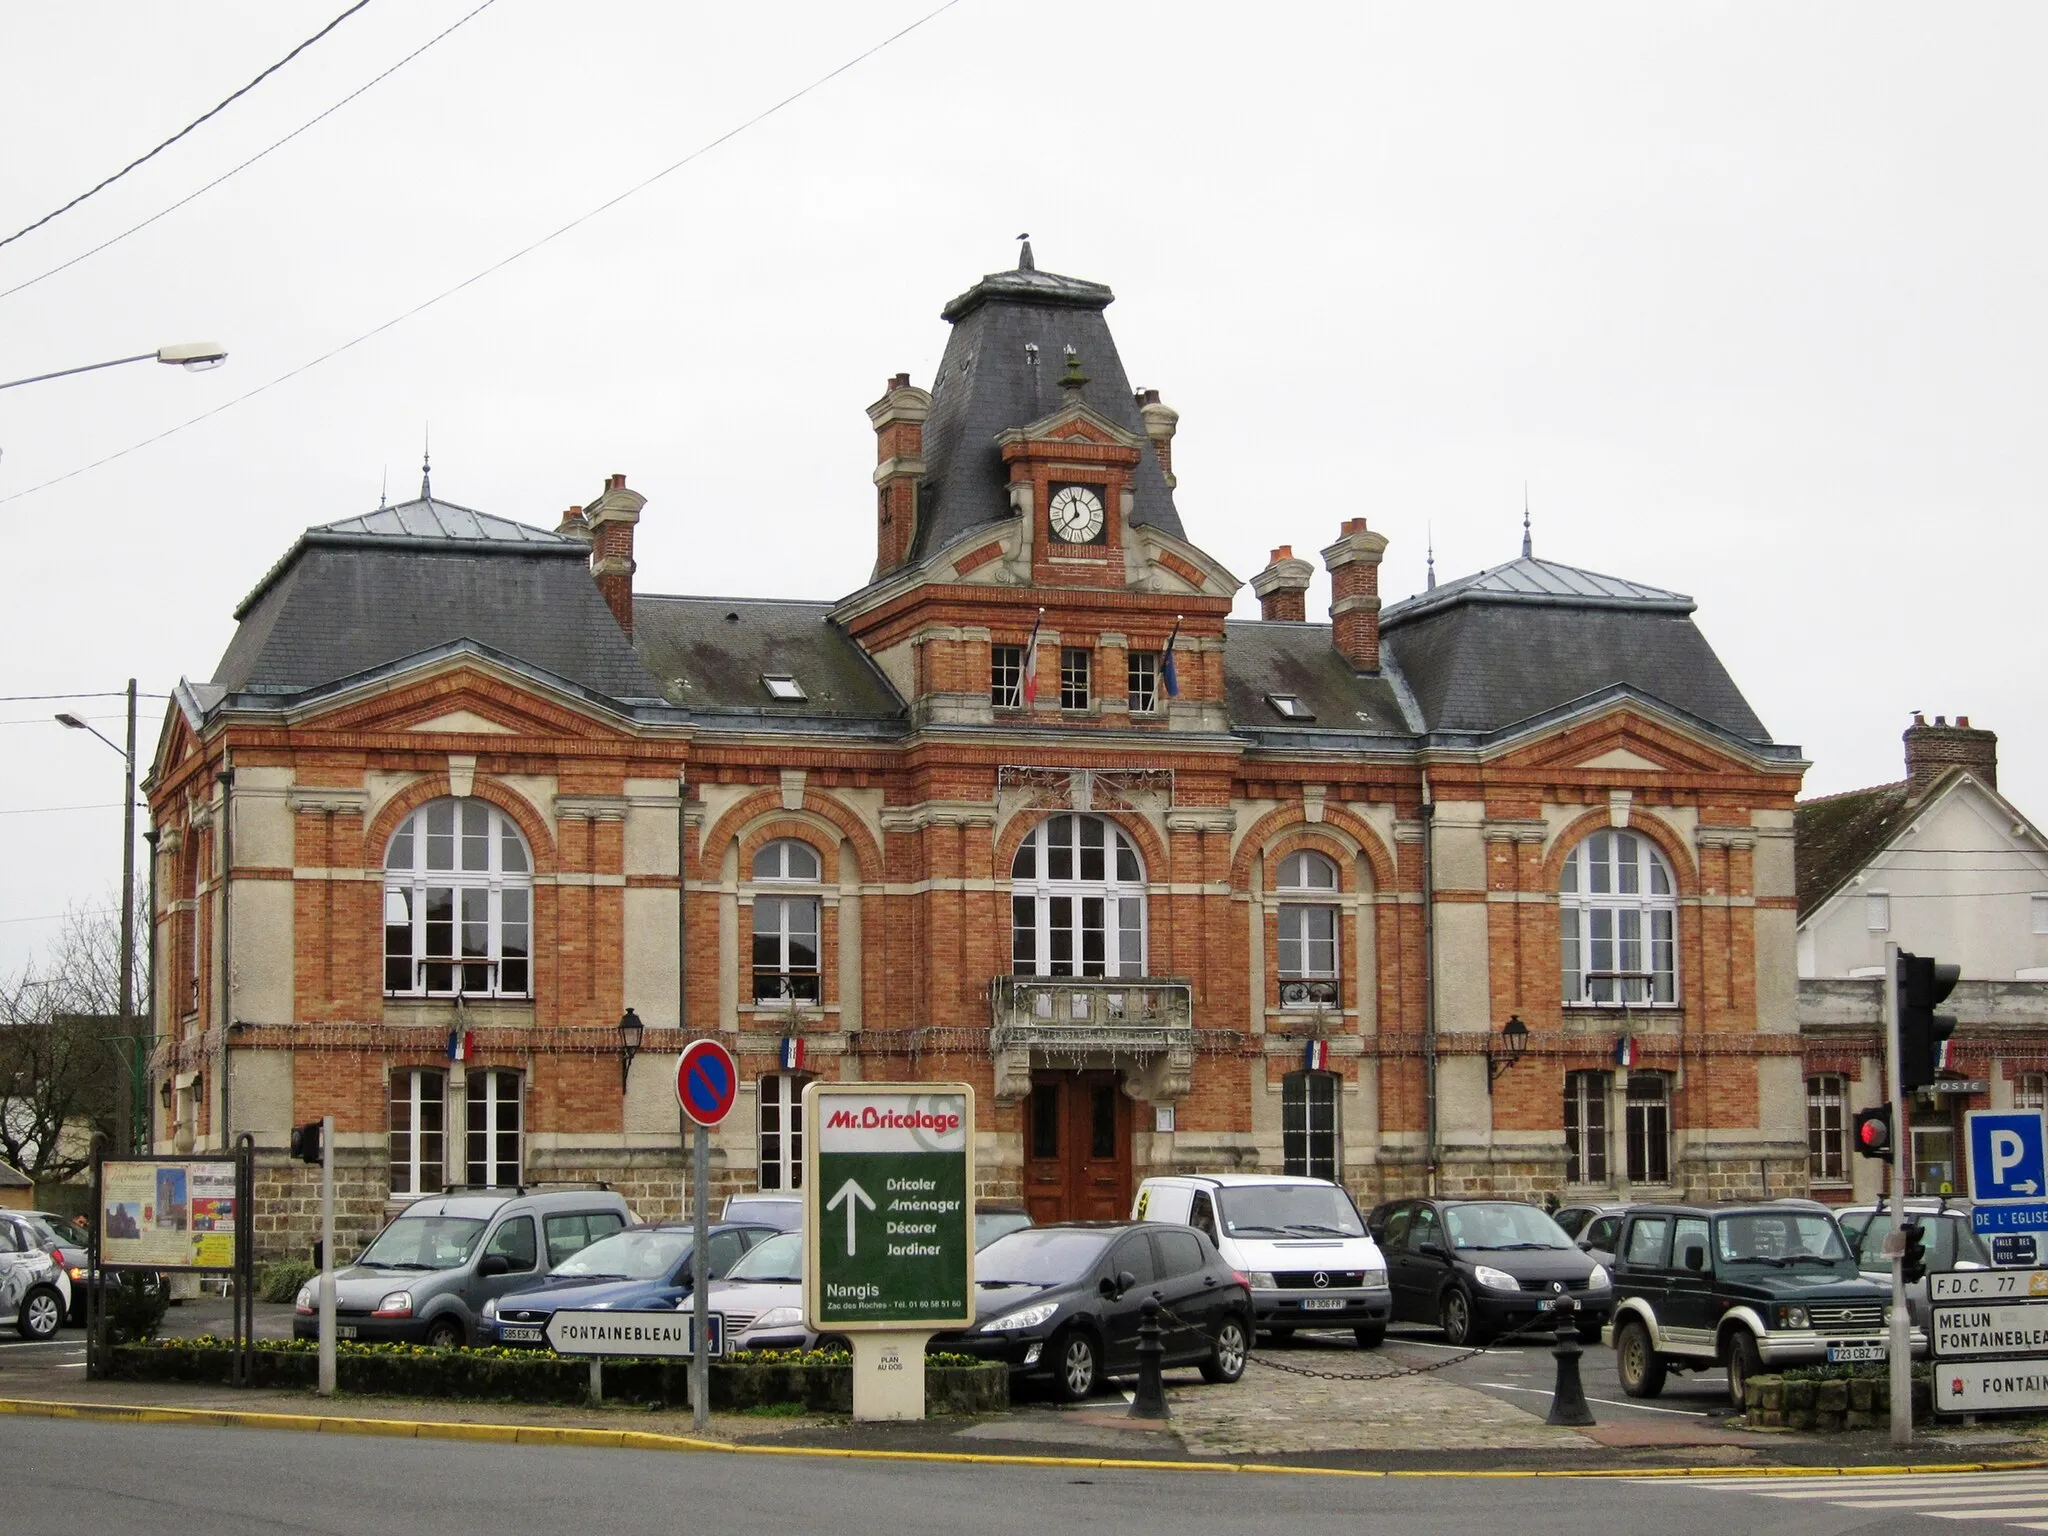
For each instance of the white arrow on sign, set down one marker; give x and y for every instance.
(849, 1194)
(2022, 1189)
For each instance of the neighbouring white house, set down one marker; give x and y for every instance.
(1941, 864)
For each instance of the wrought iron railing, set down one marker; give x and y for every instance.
(1141, 1012)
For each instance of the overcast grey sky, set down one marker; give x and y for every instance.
(1749, 295)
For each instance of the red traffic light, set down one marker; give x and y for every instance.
(1873, 1131)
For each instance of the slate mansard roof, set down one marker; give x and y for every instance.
(991, 379)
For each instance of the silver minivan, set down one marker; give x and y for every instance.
(426, 1277)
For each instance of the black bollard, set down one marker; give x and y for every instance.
(1150, 1401)
(1568, 1396)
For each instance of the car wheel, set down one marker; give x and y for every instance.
(1227, 1353)
(42, 1314)
(836, 1342)
(1636, 1363)
(1077, 1366)
(445, 1333)
(1454, 1313)
(1372, 1336)
(1744, 1361)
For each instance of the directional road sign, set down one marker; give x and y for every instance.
(1990, 1386)
(707, 1081)
(1988, 1220)
(592, 1331)
(2008, 1155)
(889, 1207)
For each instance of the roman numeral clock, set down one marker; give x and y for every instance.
(1075, 514)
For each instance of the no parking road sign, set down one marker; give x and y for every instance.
(707, 1081)
(2008, 1155)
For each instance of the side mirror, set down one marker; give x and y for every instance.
(1106, 1286)
(1124, 1281)
(493, 1264)
(1585, 1245)
(1695, 1258)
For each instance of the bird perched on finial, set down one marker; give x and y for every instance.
(1024, 261)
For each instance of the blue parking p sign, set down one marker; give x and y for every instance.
(2008, 1155)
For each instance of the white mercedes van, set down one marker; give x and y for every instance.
(1301, 1243)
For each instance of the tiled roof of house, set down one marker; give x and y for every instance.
(710, 655)
(1834, 836)
(1263, 658)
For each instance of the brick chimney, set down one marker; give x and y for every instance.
(1283, 586)
(1933, 749)
(1354, 566)
(899, 465)
(1161, 422)
(610, 520)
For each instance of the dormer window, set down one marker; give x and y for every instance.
(1288, 706)
(783, 688)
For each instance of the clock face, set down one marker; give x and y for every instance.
(1076, 514)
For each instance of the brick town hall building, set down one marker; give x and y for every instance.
(1025, 808)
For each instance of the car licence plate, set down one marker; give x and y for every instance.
(1840, 1354)
(345, 1330)
(1322, 1304)
(520, 1335)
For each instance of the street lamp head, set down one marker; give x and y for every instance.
(630, 1032)
(72, 722)
(1514, 1035)
(193, 356)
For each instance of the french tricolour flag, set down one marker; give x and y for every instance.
(461, 1044)
(792, 1053)
(1316, 1058)
(1168, 672)
(1625, 1051)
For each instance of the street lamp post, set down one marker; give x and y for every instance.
(138, 1096)
(192, 356)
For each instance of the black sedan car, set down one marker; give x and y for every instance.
(1064, 1303)
(1479, 1268)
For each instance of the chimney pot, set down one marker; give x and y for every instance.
(1283, 587)
(1931, 750)
(1161, 422)
(900, 381)
(616, 483)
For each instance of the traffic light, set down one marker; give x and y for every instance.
(1913, 1262)
(1922, 983)
(1873, 1129)
(306, 1142)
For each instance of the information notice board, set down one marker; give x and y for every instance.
(168, 1213)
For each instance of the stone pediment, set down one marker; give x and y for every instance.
(1077, 423)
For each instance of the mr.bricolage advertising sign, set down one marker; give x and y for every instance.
(889, 1206)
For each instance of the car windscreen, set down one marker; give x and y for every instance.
(424, 1242)
(1496, 1225)
(628, 1256)
(1950, 1241)
(779, 1258)
(1781, 1239)
(1288, 1210)
(1040, 1256)
(783, 1215)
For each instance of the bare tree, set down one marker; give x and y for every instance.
(60, 1048)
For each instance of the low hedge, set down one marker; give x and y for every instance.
(819, 1381)
(1827, 1400)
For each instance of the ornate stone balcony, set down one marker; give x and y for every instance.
(1087, 1021)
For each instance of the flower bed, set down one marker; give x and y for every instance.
(818, 1381)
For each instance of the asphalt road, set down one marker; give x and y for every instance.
(229, 1482)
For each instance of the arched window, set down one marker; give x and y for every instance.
(1307, 889)
(1618, 916)
(458, 904)
(786, 926)
(1077, 905)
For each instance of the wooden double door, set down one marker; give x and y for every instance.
(1077, 1147)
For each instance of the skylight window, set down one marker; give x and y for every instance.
(1288, 706)
(782, 687)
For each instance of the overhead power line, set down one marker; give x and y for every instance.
(224, 103)
(39, 698)
(237, 170)
(47, 810)
(497, 266)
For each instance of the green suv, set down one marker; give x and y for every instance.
(1749, 1287)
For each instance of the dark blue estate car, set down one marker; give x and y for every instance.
(640, 1269)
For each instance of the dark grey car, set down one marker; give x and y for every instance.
(426, 1277)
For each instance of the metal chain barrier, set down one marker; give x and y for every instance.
(1544, 1320)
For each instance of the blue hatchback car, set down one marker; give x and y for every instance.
(645, 1268)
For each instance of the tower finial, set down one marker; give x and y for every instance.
(384, 488)
(1025, 263)
(1527, 551)
(1431, 535)
(1073, 378)
(427, 463)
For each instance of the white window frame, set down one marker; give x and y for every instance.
(1827, 1130)
(1036, 893)
(779, 1131)
(1310, 962)
(1142, 670)
(1586, 1094)
(497, 1098)
(419, 1155)
(783, 688)
(1006, 676)
(1877, 911)
(1314, 1148)
(793, 871)
(494, 902)
(1618, 928)
(2030, 1090)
